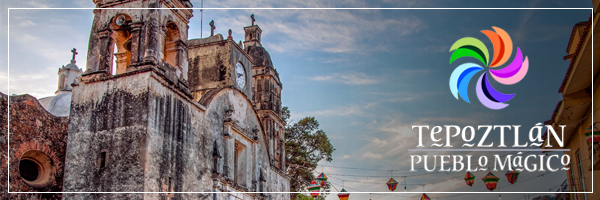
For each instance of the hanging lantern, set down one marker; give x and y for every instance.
(343, 195)
(592, 134)
(425, 197)
(392, 184)
(314, 188)
(322, 179)
(512, 176)
(470, 179)
(490, 181)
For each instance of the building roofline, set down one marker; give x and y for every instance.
(576, 54)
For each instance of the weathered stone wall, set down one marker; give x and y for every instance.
(108, 121)
(37, 136)
(212, 65)
(153, 137)
(142, 130)
(178, 148)
(279, 183)
(3, 146)
(209, 66)
(241, 125)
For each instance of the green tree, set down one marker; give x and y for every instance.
(304, 197)
(305, 146)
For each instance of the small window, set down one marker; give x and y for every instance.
(170, 188)
(103, 159)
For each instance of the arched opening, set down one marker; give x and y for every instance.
(114, 63)
(36, 169)
(170, 48)
(61, 81)
(259, 85)
(121, 47)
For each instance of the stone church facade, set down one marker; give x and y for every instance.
(173, 115)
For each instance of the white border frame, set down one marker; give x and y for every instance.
(545, 192)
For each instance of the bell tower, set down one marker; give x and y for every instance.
(131, 109)
(68, 75)
(266, 94)
(124, 40)
(253, 34)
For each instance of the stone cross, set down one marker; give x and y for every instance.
(74, 51)
(212, 27)
(252, 17)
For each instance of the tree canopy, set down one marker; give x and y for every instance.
(305, 146)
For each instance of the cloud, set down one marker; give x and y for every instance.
(343, 157)
(400, 96)
(336, 60)
(27, 23)
(39, 84)
(352, 78)
(310, 4)
(339, 31)
(332, 31)
(351, 110)
(389, 144)
(40, 43)
(390, 138)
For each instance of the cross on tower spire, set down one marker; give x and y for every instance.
(74, 51)
(252, 17)
(212, 27)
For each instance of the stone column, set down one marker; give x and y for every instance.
(93, 52)
(136, 52)
(121, 62)
(282, 155)
(154, 35)
(182, 60)
(106, 46)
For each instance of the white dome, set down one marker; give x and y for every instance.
(60, 105)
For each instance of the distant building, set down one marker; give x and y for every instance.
(575, 109)
(153, 112)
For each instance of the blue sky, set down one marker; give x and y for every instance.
(366, 75)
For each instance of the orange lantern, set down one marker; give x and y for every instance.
(343, 195)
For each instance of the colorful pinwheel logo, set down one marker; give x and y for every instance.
(511, 74)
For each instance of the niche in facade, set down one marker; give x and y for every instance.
(239, 163)
(172, 38)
